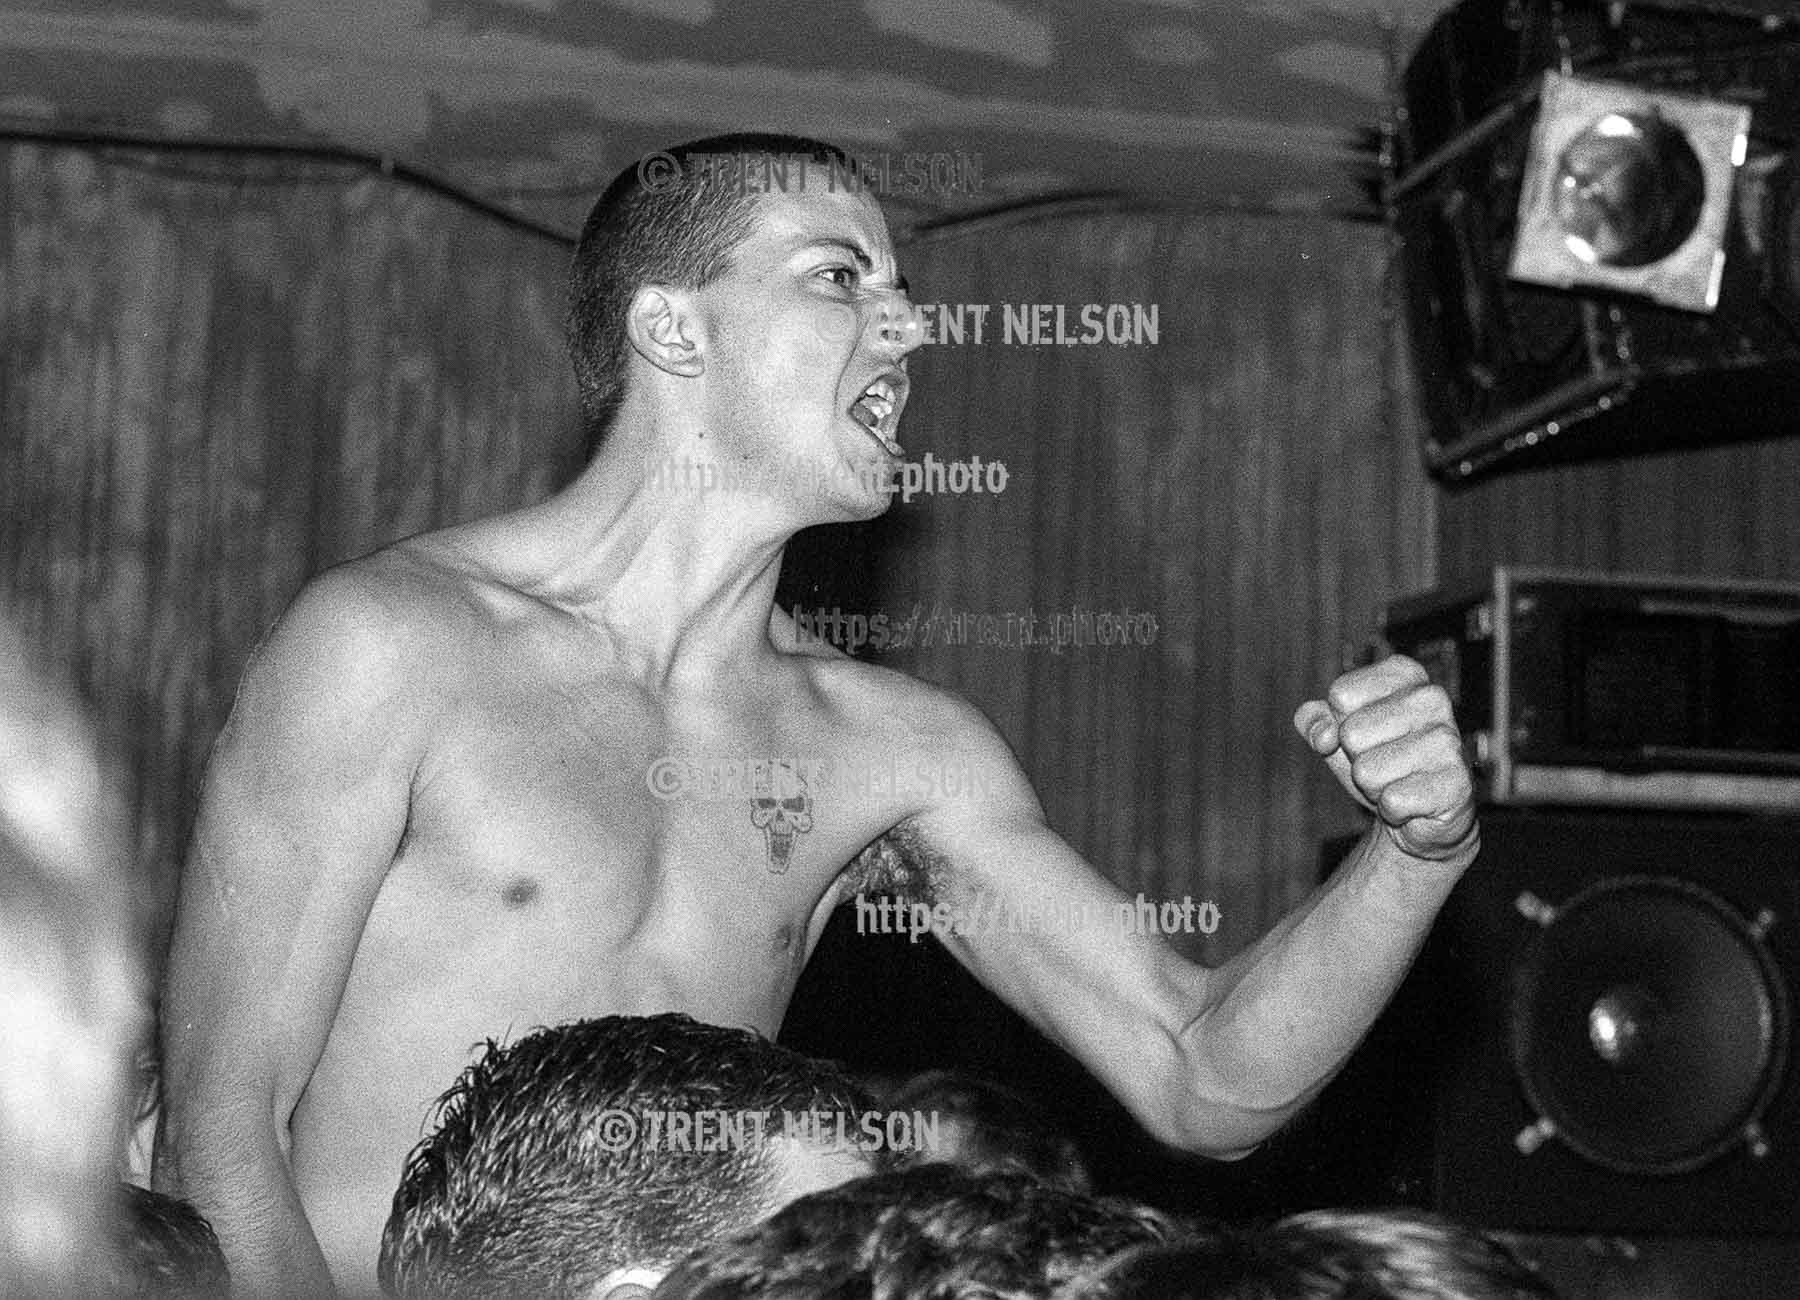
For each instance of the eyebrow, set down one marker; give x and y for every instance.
(851, 247)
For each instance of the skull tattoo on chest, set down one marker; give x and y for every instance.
(782, 812)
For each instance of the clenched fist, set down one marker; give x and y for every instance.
(1390, 739)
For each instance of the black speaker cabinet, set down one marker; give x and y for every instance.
(1597, 1036)
(1512, 374)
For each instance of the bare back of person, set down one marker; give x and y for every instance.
(540, 879)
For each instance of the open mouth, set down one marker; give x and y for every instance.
(878, 409)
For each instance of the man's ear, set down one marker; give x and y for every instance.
(664, 330)
(627, 1284)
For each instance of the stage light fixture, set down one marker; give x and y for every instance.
(1628, 190)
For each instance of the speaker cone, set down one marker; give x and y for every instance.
(1649, 1025)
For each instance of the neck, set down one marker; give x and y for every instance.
(680, 579)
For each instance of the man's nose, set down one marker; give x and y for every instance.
(897, 324)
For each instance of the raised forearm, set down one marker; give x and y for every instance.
(1214, 1060)
(1279, 1019)
(1285, 1013)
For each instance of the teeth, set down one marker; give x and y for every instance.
(875, 411)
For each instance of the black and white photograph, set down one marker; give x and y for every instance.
(900, 649)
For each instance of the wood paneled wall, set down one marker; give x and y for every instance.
(1250, 479)
(1717, 512)
(212, 388)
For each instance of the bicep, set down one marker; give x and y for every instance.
(1058, 941)
(304, 804)
(1068, 949)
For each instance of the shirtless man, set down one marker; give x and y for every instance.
(428, 821)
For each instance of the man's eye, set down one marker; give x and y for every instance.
(847, 274)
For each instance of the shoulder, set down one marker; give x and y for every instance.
(966, 786)
(361, 617)
(937, 716)
(335, 709)
(910, 710)
(365, 635)
(950, 756)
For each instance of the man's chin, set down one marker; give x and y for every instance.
(875, 488)
(863, 487)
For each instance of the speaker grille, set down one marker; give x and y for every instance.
(1649, 1025)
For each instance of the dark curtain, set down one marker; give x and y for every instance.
(213, 384)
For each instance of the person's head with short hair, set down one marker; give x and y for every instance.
(673, 218)
(585, 1159)
(167, 1249)
(986, 1127)
(1321, 1255)
(736, 302)
(930, 1231)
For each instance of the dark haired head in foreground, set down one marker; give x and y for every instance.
(552, 1173)
(932, 1232)
(167, 1249)
(1322, 1255)
(985, 1127)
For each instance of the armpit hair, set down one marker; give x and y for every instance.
(899, 863)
